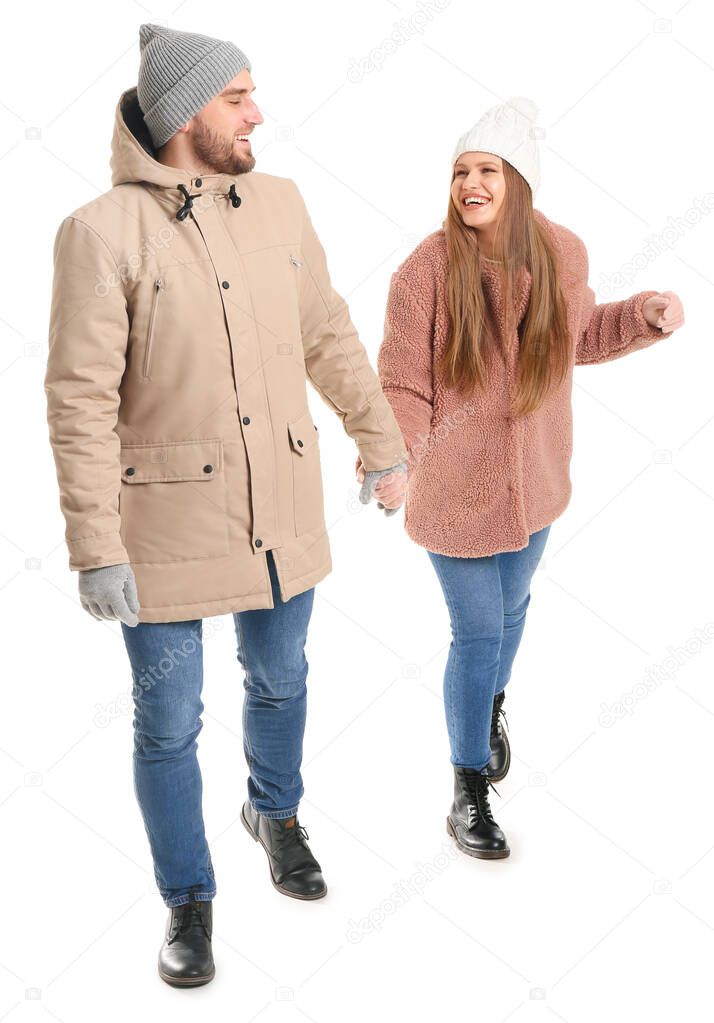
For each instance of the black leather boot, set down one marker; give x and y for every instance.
(186, 957)
(500, 747)
(293, 869)
(470, 821)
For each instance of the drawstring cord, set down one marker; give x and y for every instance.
(185, 209)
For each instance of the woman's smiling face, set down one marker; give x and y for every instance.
(478, 188)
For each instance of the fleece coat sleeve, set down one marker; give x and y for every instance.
(337, 364)
(88, 337)
(404, 363)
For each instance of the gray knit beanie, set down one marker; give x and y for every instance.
(179, 73)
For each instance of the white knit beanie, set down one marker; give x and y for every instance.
(506, 130)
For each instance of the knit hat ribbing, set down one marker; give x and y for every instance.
(506, 130)
(179, 73)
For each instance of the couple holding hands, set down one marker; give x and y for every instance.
(190, 304)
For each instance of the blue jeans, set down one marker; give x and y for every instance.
(167, 671)
(487, 599)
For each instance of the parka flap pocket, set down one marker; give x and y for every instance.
(173, 461)
(303, 433)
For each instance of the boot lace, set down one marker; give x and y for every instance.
(187, 918)
(498, 712)
(477, 786)
(295, 834)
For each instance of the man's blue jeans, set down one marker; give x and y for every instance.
(487, 599)
(167, 671)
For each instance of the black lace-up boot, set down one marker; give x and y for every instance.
(500, 747)
(293, 869)
(186, 957)
(470, 821)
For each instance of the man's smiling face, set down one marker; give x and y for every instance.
(221, 133)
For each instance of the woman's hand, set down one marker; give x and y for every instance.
(391, 490)
(664, 310)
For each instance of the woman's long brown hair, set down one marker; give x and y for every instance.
(544, 339)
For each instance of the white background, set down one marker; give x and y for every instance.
(605, 907)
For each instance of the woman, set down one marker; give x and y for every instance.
(485, 320)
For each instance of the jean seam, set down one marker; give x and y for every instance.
(181, 900)
(152, 836)
(449, 600)
(244, 650)
(276, 814)
(469, 767)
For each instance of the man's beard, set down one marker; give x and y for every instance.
(218, 153)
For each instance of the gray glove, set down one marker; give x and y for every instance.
(370, 478)
(110, 592)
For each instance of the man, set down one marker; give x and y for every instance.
(190, 302)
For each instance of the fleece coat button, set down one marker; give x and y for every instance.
(208, 468)
(258, 543)
(225, 284)
(199, 182)
(246, 420)
(300, 444)
(130, 471)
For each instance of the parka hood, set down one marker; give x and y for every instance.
(133, 159)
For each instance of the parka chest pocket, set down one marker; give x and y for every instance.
(158, 287)
(308, 501)
(172, 502)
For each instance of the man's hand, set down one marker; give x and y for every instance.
(388, 486)
(664, 311)
(110, 592)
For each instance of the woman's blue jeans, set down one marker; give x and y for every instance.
(487, 600)
(167, 671)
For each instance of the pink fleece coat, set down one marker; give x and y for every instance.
(481, 481)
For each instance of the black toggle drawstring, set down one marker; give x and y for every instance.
(183, 212)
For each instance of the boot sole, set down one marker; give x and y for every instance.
(283, 891)
(483, 854)
(187, 981)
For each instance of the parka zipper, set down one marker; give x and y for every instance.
(158, 287)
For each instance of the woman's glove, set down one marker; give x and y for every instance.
(110, 592)
(371, 478)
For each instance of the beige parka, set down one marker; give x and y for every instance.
(179, 349)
